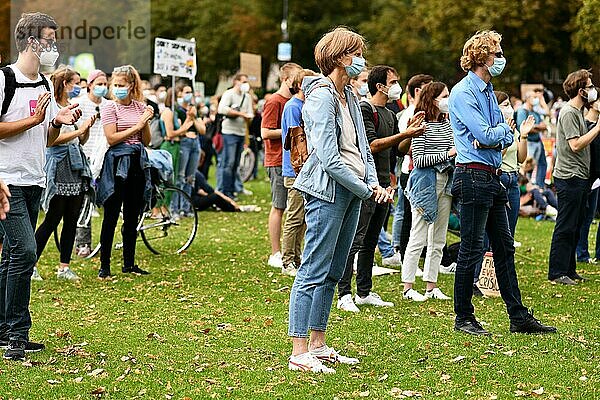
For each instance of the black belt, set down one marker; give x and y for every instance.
(482, 167)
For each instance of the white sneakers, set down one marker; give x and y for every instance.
(346, 304)
(373, 299)
(67, 274)
(313, 360)
(551, 211)
(435, 293)
(35, 276)
(290, 269)
(393, 261)
(450, 269)
(412, 294)
(275, 260)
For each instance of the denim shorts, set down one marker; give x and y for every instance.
(278, 191)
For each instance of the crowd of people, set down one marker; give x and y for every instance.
(465, 153)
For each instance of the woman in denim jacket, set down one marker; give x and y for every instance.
(337, 176)
(429, 192)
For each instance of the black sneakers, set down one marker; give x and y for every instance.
(134, 270)
(104, 273)
(564, 280)
(530, 325)
(15, 350)
(30, 347)
(472, 327)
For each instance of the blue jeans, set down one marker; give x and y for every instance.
(483, 209)
(572, 201)
(18, 259)
(538, 153)
(385, 246)
(583, 255)
(509, 180)
(229, 161)
(189, 154)
(398, 213)
(330, 229)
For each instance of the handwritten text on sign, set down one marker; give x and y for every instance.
(175, 58)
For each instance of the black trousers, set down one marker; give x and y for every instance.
(572, 207)
(202, 203)
(65, 208)
(129, 194)
(407, 219)
(370, 221)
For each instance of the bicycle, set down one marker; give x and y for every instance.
(163, 233)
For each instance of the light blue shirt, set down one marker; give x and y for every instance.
(474, 114)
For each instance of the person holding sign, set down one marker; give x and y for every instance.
(476, 117)
(125, 178)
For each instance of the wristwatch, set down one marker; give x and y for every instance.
(54, 125)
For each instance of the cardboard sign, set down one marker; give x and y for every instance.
(175, 58)
(487, 283)
(250, 64)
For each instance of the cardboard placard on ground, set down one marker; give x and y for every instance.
(487, 282)
(250, 64)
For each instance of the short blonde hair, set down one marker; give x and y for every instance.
(288, 70)
(299, 76)
(478, 48)
(334, 45)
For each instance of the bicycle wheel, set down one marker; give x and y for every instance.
(168, 233)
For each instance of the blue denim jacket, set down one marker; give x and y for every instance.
(120, 154)
(420, 190)
(162, 160)
(55, 155)
(323, 126)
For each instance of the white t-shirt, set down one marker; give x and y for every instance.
(22, 157)
(349, 145)
(89, 109)
(407, 114)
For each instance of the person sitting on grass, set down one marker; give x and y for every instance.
(205, 197)
(543, 200)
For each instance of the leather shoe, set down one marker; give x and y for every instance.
(564, 280)
(472, 327)
(135, 270)
(530, 325)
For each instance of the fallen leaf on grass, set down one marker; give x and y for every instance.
(366, 393)
(53, 381)
(458, 359)
(508, 353)
(383, 377)
(96, 372)
(79, 379)
(98, 391)
(445, 377)
(155, 336)
(538, 392)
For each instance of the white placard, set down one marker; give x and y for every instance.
(175, 58)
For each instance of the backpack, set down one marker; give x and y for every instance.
(11, 85)
(157, 132)
(295, 143)
(217, 136)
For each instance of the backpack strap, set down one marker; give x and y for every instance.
(375, 113)
(11, 85)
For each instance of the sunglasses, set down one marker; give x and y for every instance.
(123, 69)
(499, 54)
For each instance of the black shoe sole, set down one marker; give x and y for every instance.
(15, 358)
(535, 333)
(472, 333)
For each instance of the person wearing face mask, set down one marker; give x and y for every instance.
(91, 104)
(360, 87)
(535, 146)
(189, 147)
(30, 120)
(124, 181)
(336, 177)
(475, 115)
(270, 132)
(428, 191)
(382, 132)
(571, 176)
(236, 105)
(160, 91)
(68, 176)
(512, 157)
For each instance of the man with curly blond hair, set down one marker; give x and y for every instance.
(480, 135)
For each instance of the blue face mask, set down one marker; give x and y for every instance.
(187, 98)
(354, 69)
(75, 92)
(120, 92)
(100, 91)
(363, 90)
(498, 66)
(180, 101)
(536, 101)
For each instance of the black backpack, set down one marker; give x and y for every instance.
(11, 85)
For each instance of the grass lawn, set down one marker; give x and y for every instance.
(212, 323)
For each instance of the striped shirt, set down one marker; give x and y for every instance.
(88, 110)
(125, 116)
(432, 147)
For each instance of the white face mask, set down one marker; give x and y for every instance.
(47, 57)
(245, 87)
(592, 95)
(507, 112)
(394, 92)
(162, 96)
(443, 105)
